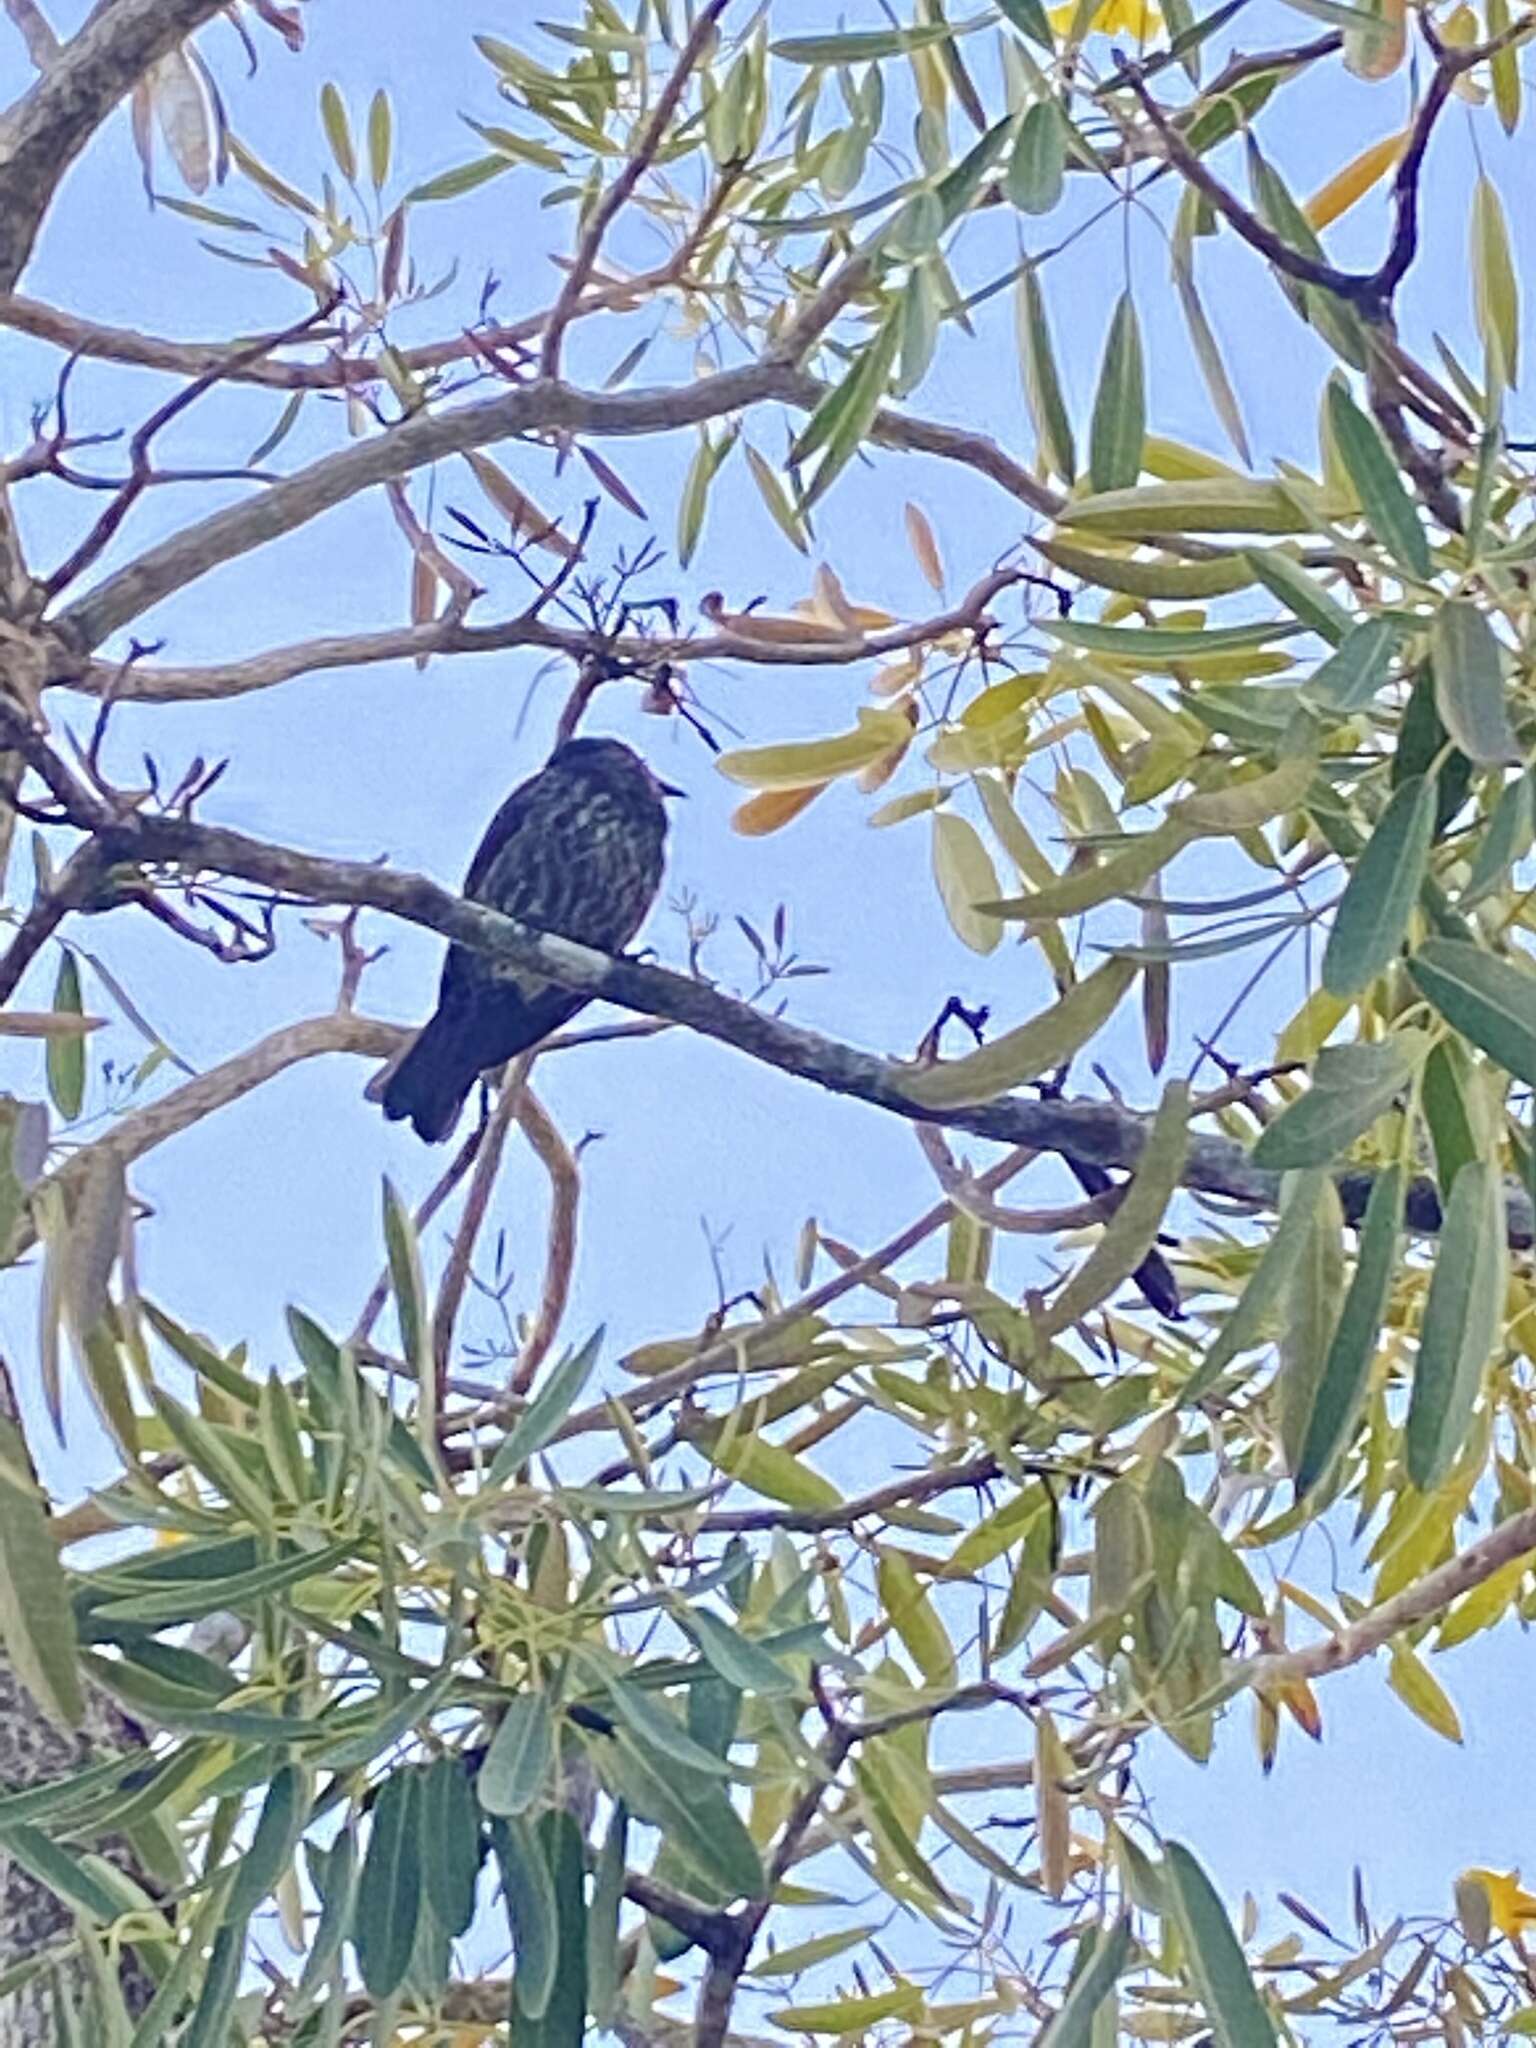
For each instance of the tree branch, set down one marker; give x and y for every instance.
(46, 129)
(1427, 1597)
(36, 31)
(146, 683)
(333, 479)
(640, 157)
(1101, 1133)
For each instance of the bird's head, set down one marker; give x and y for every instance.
(611, 761)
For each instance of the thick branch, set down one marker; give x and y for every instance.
(1101, 1133)
(46, 129)
(543, 408)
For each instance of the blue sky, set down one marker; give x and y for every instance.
(277, 1200)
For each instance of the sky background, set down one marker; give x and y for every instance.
(276, 1200)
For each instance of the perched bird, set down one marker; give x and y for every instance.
(577, 851)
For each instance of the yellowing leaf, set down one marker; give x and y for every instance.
(1421, 1693)
(772, 809)
(522, 513)
(792, 764)
(963, 870)
(915, 1619)
(1349, 185)
(1053, 1811)
(924, 546)
(1495, 294)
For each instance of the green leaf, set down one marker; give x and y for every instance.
(1462, 1319)
(1495, 292)
(1346, 1374)
(1351, 1086)
(518, 1760)
(736, 1658)
(37, 1621)
(409, 1289)
(1470, 686)
(1157, 647)
(209, 2025)
(389, 1888)
(867, 46)
(1131, 1231)
(66, 1052)
(380, 135)
(1042, 381)
(1208, 355)
(844, 417)
(1487, 998)
(338, 131)
(1101, 1961)
(603, 1959)
(915, 1619)
(269, 1853)
(1029, 1050)
(1119, 426)
(334, 1875)
(240, 1592)
(775, 498)
(1506, 839)
(1125, 873)
(1451, 1098)
(563, 2023)
(1389, 511)
(1308, 1322)
(658, 1729)
(461, 179)
(1302, 594)
(1349, 680)
(529, 1889)
(1031, 18)
(1239, 2017)
(852, 2015)
(1037, 167)
(540, 1421)
(1203, 505)
(695, 1817)
(451, 1842)
(1371, 922)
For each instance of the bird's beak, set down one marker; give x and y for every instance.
(669, 788)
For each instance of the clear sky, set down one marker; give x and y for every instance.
(277, 1200)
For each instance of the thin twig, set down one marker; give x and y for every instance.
(639, 160)
(559, 1162)
(461, 1254)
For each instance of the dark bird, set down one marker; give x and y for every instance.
(577, 851)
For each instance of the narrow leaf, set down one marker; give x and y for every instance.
(1119, 424)
(1462, 1319)
(1371, 922)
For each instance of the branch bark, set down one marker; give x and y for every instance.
(46, 129)
(1101, 1133)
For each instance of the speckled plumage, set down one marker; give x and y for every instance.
(577, 850)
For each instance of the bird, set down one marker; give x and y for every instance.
(577, 851)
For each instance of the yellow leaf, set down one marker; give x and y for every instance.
(915, 1620)
(1510, 1908)
(1053, 1809)
(963, 870)
(771, 809)
(1423, 1694)
(1350, 184)
(1175, 462)
(791, 764)
(1254, 802)
(924, 546)
(832, 603)
(1484, 1605)
(1377, 51)
(1138, 19)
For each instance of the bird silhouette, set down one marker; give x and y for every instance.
(577, 850)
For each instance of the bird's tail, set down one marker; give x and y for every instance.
(431, 1082)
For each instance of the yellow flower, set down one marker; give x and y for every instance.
(1138, 19)
(1510, 1909)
